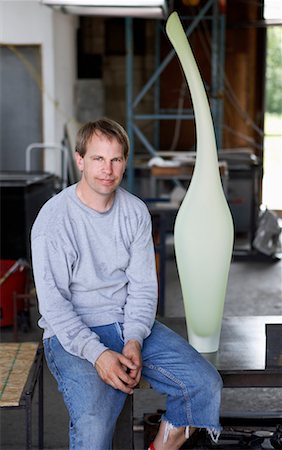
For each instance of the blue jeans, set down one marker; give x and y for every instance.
(170, 365)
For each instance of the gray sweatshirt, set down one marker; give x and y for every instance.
(93, 269)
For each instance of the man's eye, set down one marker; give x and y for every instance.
(98, 158)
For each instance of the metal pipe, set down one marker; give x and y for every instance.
(145, 141)
(222, 22)
(157, 85)
(214, 69)
(40, 403)
(170, 55)
(163, 116)
(129, 100)
(46, 146)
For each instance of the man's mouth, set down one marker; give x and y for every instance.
(107, 180)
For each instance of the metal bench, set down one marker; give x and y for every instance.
(21, 370)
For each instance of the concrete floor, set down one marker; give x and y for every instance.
(254, 288)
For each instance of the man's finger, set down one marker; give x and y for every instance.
(124, 386)
(126, 378)
(127, 362)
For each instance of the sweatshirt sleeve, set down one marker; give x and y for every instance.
(52, 268)
(142, 290)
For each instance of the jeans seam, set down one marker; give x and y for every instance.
(64, 388)
(182, 386)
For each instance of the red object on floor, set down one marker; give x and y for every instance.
(152, 447)
(16, 282)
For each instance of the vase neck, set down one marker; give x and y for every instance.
(206, 163)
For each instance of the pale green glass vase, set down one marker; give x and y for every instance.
(204, 229)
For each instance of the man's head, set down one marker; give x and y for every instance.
(101, 156)
(107, 127)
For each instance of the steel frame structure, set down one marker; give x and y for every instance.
(217, 18)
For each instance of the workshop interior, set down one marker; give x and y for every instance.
(67, 62)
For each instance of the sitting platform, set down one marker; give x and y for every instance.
(21, 370)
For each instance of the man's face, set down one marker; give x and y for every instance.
(102, 166)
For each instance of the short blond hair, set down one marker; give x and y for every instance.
(108, 127)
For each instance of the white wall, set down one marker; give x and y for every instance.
(30, 22)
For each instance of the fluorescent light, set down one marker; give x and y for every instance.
(107, 3)
(124, 8)
(148, 13)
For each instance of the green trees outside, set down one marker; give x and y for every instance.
(274, 70)
(272, 151)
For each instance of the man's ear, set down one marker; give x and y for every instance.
(79, 161)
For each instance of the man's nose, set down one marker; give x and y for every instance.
(108, 166)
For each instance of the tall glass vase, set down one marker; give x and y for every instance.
(204, 229)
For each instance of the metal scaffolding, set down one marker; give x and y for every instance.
(210, 11)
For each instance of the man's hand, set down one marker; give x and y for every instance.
(115, 369)
(132, 350)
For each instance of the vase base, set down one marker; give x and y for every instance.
(204, 344)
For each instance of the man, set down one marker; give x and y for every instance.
(94, 270)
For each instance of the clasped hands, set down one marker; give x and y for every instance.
(121, 370)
